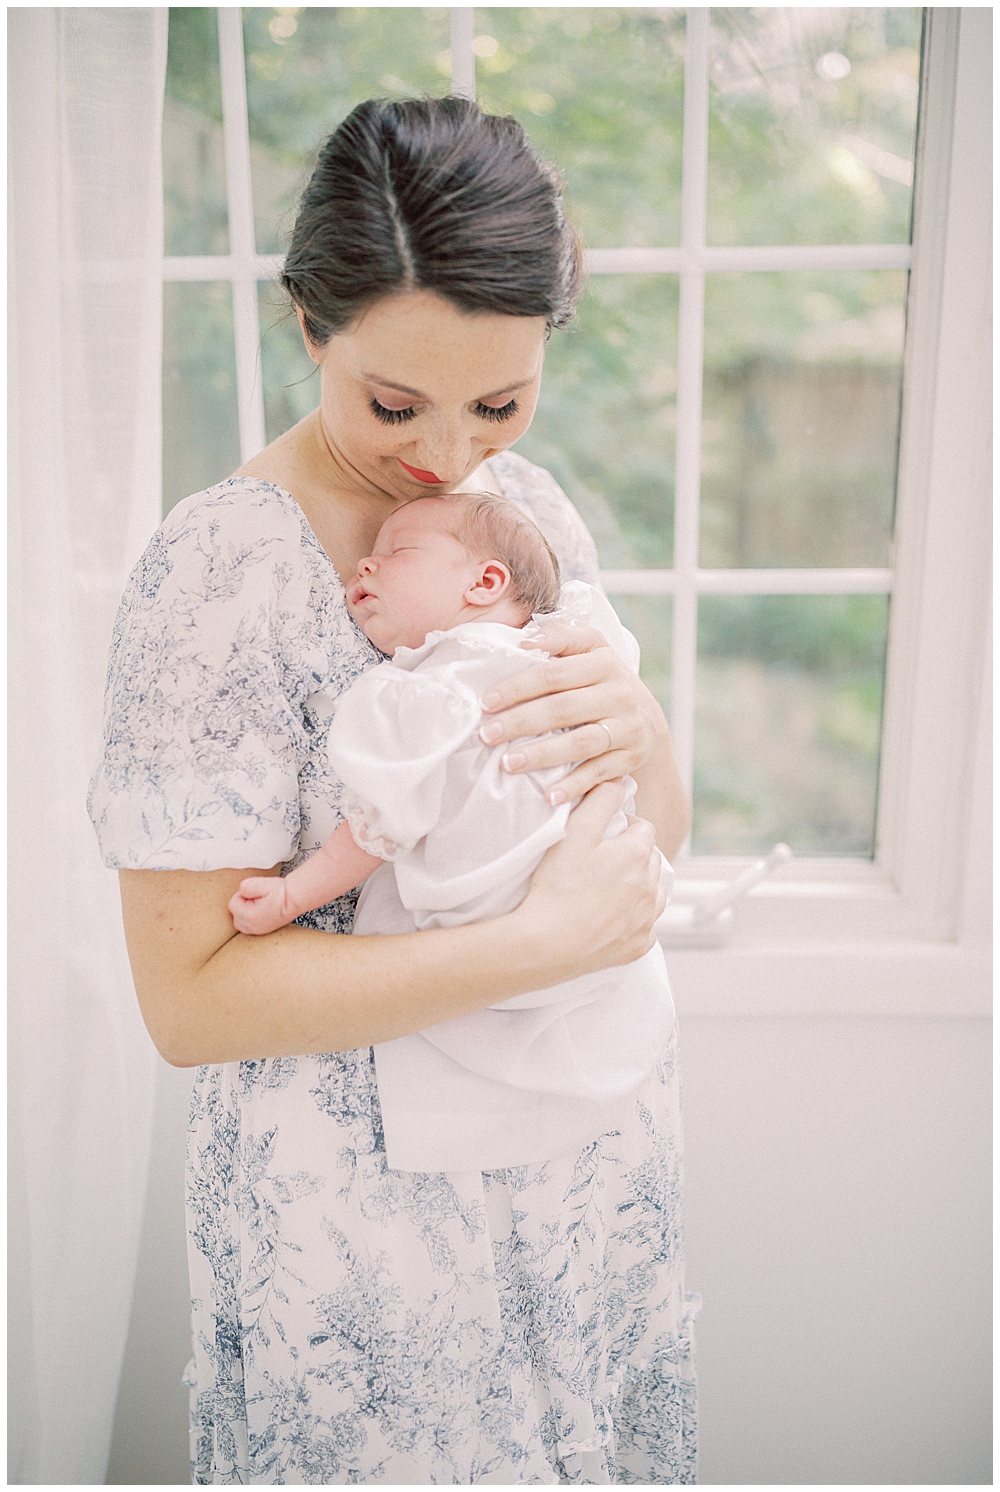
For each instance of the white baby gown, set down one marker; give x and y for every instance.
(543, 1073)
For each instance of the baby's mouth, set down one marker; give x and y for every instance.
(359, 592)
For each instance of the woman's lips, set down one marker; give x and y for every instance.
(421, 476)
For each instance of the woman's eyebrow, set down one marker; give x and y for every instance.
(387, 383)
(401, 388)
(511, 388)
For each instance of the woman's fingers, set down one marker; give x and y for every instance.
(564, 694)
(562, 640)
(551, 676)
(589, 820)
(600, 897)
(586, 705)
(587, 776)
(610, 696)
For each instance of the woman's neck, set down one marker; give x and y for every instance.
(344, 509)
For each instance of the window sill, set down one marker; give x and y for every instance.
(815, 901)
(900, 977)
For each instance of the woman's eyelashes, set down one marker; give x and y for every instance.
(490, 412)
(391, 416)
(484, 411)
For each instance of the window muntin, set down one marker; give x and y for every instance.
(643, 580)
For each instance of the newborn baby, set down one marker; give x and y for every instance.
(449, 592)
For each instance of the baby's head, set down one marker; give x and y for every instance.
(440, 561)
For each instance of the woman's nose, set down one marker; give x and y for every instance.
(447, 453)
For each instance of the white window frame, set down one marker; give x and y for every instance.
(907, 931)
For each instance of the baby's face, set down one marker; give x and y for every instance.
(415, 580)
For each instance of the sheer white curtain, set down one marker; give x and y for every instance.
(85, 102)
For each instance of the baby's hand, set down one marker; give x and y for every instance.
(259, 906)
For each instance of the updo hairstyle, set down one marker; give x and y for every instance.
(431, 194)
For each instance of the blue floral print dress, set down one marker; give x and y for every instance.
(352, 1323)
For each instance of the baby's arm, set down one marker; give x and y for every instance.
(265, 903)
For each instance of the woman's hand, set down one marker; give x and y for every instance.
(611, 726)
(593, 901)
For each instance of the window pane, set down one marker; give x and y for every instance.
(306, 68)
(649, 619)
(801, 417)
(200, 424)
(600, 92)
(812, 125)
(194, 166)
(788, 722)
(607, 414)
(291, 378)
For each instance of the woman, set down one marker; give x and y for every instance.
(353, 1323)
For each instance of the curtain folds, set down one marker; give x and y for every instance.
(86, 234)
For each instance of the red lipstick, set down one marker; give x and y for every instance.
(421, 476)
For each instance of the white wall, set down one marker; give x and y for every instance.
(838, 1226)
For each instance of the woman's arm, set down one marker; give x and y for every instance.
(266, 902)
(584, 683)
(210, 994)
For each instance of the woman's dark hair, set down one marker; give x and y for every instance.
(431, 194)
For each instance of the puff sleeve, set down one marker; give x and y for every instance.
(228, 625)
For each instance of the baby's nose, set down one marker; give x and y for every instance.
(367, 566)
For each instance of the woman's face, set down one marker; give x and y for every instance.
(415, 394)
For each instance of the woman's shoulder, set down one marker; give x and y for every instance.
(237, 536)
(236, 508)
(536, 491)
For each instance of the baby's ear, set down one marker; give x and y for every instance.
(492, 583)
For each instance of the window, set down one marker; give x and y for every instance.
(726, 413)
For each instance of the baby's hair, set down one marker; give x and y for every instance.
(496, 528)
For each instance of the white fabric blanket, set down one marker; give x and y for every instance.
(541, 1074)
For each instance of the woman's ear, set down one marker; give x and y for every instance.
(493, 581)
(316, 353)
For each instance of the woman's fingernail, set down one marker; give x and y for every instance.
(556, 797)
(491, 731)
(490, 701)
(512, 760)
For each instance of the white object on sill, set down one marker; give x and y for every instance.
(707, 923)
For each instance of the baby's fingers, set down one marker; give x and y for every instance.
(254, 887)
(256, 917)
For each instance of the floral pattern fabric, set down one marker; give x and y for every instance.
(351, 1323)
